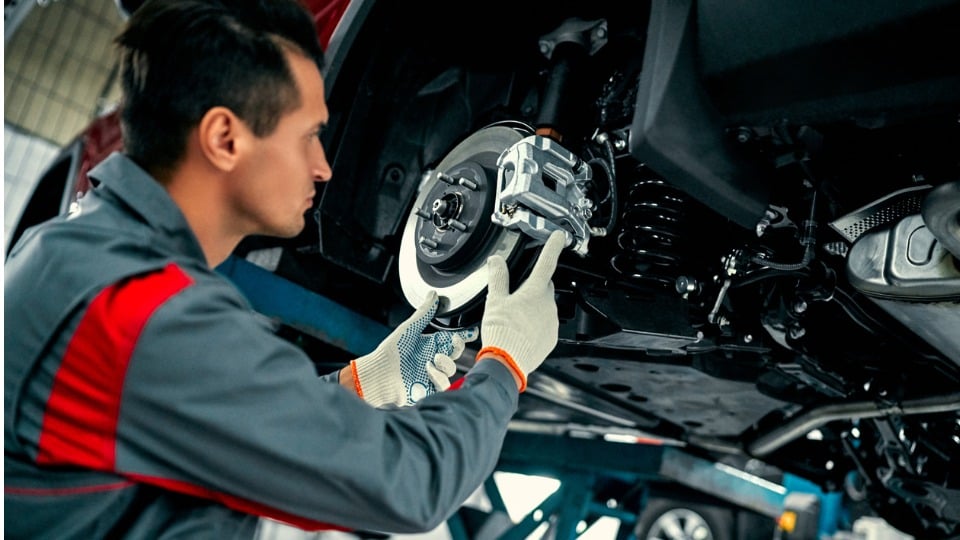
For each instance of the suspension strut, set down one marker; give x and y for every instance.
(567, 48)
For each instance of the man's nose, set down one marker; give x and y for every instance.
(322, 171)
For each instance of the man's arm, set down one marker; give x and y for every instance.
(217, 406)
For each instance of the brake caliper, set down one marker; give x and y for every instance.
(541, 187)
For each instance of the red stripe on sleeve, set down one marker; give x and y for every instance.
(79, 424)
(80, 421)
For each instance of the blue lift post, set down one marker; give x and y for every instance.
(583, 464)
(579, 463)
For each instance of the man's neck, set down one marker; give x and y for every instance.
(198, 197)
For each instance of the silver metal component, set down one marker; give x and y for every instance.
(457, 225)
(446, 178)
(803, 423)
(422, 214)
(773, 216)
(839, 249)
(428, 242)
(906, 270)
(941, 214)
(884, 211)
(439, 205)
(730, 269)
(764, 223)
(469, 184)
(591, 34)
(685, 285)
(712, 316)
(471, 282)
(541, 189)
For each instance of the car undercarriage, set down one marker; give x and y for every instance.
(760, 205)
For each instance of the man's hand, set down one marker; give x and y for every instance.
(409, 365)
(520, 329)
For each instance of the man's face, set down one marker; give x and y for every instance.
(274, 186)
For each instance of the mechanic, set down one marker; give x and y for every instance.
(144, 398)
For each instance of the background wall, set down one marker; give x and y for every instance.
(59, 72)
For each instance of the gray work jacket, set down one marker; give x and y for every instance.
(143, 398)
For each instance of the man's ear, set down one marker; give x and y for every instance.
(220, 135)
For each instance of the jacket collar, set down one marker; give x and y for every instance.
(144, 195)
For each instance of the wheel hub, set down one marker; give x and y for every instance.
(455, 218)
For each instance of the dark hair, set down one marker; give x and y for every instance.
(180, 58)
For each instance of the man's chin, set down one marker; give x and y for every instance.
(289, 231)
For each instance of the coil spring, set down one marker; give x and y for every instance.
(650, 236)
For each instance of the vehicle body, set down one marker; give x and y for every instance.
(761, 201)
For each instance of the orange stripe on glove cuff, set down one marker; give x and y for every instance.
(356, 378)
(508, 360)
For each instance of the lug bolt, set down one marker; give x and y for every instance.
(469, 184)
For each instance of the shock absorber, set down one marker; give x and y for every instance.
(568, 47)
(650, 237)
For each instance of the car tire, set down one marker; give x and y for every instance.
(679, 519)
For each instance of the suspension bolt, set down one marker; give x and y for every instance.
(685, 285)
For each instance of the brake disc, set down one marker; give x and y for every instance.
(449, 234)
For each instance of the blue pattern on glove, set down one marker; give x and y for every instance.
(416, 351)
(410, 365)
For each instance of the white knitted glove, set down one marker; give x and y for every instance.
(409, 365)
(522, 328)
